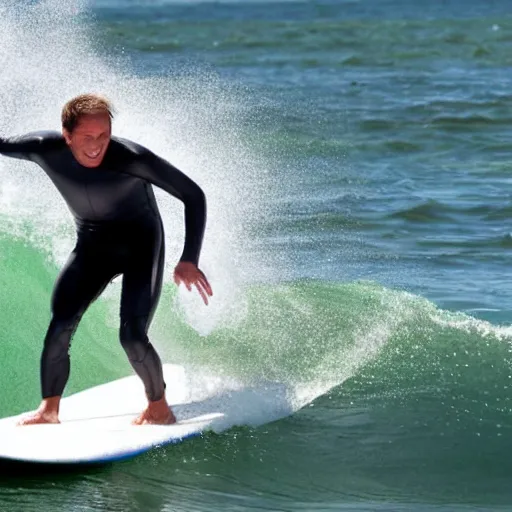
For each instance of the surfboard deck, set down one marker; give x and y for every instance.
(96, 426)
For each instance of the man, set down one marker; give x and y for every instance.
(106, 183)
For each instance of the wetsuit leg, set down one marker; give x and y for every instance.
(80, 282)
(142, 284)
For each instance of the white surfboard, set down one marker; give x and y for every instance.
(96, 424)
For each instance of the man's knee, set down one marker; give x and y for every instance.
(134, 338)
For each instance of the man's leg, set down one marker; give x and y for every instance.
(142, 284)
(79, 283)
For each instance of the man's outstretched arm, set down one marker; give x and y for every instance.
(24, 147)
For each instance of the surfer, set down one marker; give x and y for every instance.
(106, 182)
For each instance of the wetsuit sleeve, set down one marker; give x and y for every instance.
(161, 173)
(24, 147)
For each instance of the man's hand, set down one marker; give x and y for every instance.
(189, 274)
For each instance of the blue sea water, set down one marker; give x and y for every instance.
(355, 156)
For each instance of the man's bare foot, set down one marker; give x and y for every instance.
(38, 418)
(48, 412)
(156, 413)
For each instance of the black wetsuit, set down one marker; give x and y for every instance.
(119, 231)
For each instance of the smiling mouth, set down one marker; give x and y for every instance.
(93, 155)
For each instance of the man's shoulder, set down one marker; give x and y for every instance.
(129, 147)
(46, 138)
(48, 134)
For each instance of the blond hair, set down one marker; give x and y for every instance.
(83, 105)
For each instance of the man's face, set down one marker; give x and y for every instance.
(90, 138)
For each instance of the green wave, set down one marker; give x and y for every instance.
(310, 335)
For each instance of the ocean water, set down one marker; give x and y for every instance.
(356, 159)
